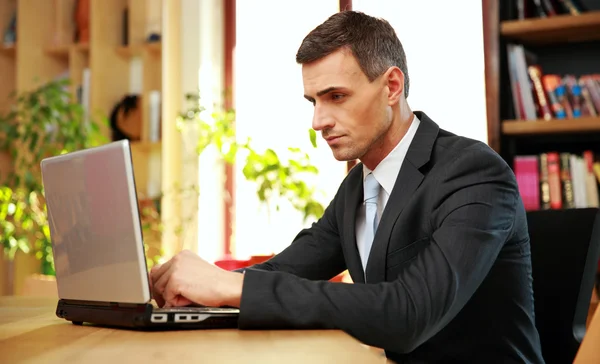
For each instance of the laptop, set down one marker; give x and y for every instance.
(98, 248)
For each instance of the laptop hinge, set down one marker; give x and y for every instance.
(111, 305)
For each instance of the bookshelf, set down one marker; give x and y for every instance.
(551, 30)
(561, 44)
(46, 50)
(540, 126)
(8, 51)
(137, 51)
(64, 50)
(536, 144)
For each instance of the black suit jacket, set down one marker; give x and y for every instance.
(449, 273)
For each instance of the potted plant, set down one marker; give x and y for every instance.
(277, 179)
(152, 228)
(42, 122)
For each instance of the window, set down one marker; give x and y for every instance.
(445, 59)
(446, 67)
(272, 111)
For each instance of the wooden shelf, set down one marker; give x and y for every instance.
(552, 30)
(63, 50)
(9, 51)
(47, 50)
(128, 51)
(536, 127)
(84, 47)
(60, 51)
(136, 51)
(154, 47)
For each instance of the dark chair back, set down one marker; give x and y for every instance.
(565, 247)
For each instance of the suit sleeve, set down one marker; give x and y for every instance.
(472, 220)
(315, 254)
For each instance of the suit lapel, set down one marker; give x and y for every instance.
(408, 180)
(353, 198)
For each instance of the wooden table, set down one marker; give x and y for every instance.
(589, 350)
(30, 332)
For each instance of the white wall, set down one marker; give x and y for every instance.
(445, 59)
(272, 110)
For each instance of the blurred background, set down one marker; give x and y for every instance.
(210, 97)
(226, 164)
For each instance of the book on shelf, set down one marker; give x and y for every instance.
(558, 180)
(9, 37)
(83, 93)
(537, 95)
(526, 9)
(154, 113)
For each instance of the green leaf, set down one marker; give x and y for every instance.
(313, 137)
(23, 245)
(12, 242)
(29, 179)
(10, 252)
(46, 231)
(11, 208)
(270, 157)
(311, 169)
(9, 228)
(27, 224)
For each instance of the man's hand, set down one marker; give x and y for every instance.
(187, 279)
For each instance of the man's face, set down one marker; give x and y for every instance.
(351, 112)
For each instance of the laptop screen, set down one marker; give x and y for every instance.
(94, 225)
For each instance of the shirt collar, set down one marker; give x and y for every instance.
(387, 170)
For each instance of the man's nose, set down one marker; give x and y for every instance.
(321, 120)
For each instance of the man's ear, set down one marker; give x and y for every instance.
(395, 83)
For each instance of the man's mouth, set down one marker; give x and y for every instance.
(333, 139)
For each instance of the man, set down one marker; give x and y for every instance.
(439, 252)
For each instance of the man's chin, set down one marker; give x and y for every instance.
(344, 156)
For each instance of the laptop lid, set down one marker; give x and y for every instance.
(95, 226)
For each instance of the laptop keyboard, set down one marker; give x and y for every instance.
(196, 310)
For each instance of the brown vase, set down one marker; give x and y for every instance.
(82, 21)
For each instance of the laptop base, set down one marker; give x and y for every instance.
(143, 316)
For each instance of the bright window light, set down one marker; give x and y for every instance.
(272, 111)
(445, 59)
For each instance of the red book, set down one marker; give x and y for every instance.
(554, 181)
(526, 172)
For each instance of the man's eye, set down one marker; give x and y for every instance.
(337, 97)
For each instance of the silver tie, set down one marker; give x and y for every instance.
(371, 192)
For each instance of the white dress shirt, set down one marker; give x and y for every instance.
(385, 173)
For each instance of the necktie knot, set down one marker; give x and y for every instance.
(371, 188)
